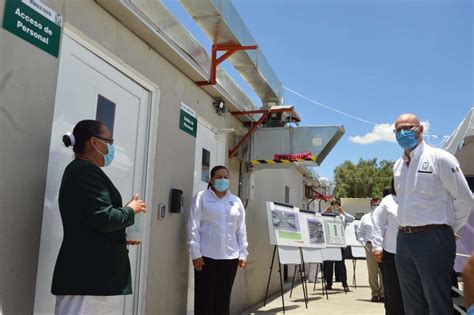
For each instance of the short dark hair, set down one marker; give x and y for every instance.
(214, 170)
(83, 131)
(335, 202)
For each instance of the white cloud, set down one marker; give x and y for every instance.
(381, 132)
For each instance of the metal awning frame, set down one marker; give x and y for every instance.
(215, 61)
(316, 195)
(265, 113)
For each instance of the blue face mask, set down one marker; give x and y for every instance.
(407, 139)
(221, 184)
(108, 158)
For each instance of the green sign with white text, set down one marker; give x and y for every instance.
(188, 120)
(34, 22)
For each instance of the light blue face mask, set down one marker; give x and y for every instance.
(109, 157)
(221, 184)
(407, 139)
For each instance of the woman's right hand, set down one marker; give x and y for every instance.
(198, 263)
(137, 204)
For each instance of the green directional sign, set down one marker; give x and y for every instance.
(188, 120)
(34, 22)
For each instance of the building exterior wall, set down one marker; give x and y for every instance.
(249, 288)
(28, 79)
(27, 91)
(168, 257)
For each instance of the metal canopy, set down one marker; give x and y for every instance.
(222, 23)
(288, 147)
(156, 26)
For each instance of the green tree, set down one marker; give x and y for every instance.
(365, 179)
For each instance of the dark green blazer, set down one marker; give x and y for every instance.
(93, 259)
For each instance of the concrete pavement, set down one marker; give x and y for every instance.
(357, 301)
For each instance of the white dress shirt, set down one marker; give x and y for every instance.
(347, 218)
(385, 225)
(365, 230)
(431, 189)
(216, 227)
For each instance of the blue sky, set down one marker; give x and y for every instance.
(372, 59)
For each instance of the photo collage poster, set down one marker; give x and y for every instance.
(284, 225)
(351, 233)
(314, 235)
(288, 226)
(334, 230)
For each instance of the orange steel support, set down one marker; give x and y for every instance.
(265, 113)
(278, 110)
(312, 194)
(249, 133)
(229, 51)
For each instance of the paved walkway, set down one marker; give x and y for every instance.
(357, 301)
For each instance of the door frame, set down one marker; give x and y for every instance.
(152, 134)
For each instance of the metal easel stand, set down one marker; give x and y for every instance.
(303, 283)
(323, 280)
(281, 280)
(354, 282)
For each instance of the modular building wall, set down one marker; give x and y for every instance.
(27, 91)
(283, 185)
(28, 80)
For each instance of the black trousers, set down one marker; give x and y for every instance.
(213, 286)
(393, 295)
(341, 272)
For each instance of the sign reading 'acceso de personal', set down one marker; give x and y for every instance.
(34, 22)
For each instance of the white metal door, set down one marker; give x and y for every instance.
(209, 153)
(90, 88)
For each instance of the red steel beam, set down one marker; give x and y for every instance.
(278, 110)
(230, 50)
(250, 112)
(265, 113)
(318, 194)
(249, 133)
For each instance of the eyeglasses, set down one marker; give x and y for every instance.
(404, 127)
(108, 140)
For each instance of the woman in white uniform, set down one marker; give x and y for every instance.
(217, 240)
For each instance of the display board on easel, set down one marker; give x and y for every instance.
(290, 226)
(292, 230)
(334, 231)
(284, 224)
(313, 229)
(351, 234)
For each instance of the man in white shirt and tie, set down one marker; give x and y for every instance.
(434, 202)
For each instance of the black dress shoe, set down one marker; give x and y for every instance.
(346, 288)
(381, 299)
(375, 299)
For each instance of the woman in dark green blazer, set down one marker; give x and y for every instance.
(93, 259)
